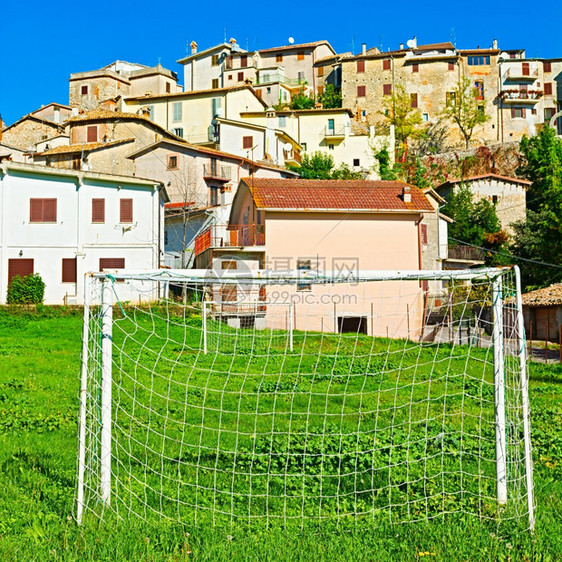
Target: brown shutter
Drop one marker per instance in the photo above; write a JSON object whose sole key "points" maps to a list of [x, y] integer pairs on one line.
{"points": [[36, 210], [547, 67], [513, 113], [525, 69], [451, 66], [360, 66], [49, 210], [522, 112], [387, 89], [98, 210], [240, 77], [19, 266], [414, 100], [69, 270], [415, 67], [424, 233], [92, 133], [112, 263], [247, 142], [547, 88], [361, 91], [386, 64], [320, 71], [126, 210]]}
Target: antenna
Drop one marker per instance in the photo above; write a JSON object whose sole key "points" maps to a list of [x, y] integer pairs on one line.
{"points": [[291, 40], [453, 37], [352, 45], [225, 33]]}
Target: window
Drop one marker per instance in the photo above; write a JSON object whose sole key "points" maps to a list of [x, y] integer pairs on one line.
{"points": [[247, 142], [168, 87], [481, 110], [215, 83], [549, 114], [150, 109], [304, 265], [229, 264], [92, 133], [214, 194], [172, 163], [547, 67], [303, 146], [98, 210], [112, 263], [451, 66], [517, 112], [330, 147], [228, 64], [19, 266], [300, 55], [425, 116], [42, 210], [356, 162], [495, 199], [214, 60], [414, 100], [176, 111], [548, 88], [331, 126], [230, 76], [361, 91], [387, 89], [320, 90], [126, 210], [213, 167], [360, 66], [278, 57], [69, 270], [479, 87], [268, 90], [215, 106], [320, 71], [282, 121], [478, 61], [300, 75], [76, 162], [229, 293], [352, 325], [178, 132], [386, 64], [415, 67], [84, 90], [450, 98], [240, 77], [525, 69], [244, 61]]}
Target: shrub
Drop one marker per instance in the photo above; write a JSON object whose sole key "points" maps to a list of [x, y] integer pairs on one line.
{"points": [[26, 290]]}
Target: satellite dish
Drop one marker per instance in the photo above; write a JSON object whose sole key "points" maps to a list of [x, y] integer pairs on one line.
{"points": [[291, 40], [411, 44]]}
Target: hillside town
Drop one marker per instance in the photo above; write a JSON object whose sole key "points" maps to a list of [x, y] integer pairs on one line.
{"points": [[146, 168]]}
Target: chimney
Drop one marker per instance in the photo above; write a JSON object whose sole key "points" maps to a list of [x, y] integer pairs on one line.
{"points": [[1, 127], [193, 46], [363, 48], [406, 194], [232, 41], [495, 44], [415, 42], [401, 46]]}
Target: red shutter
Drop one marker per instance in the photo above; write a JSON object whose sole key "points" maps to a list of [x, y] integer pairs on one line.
{"points": [[451, 66], [513, 113], [361, 91], [387, 89], [360, 66], [547, 67], [386, 64], [42, 210], [69, 270], [547, 88], [126, 210], [98, 210], [525, 69], [19, 266], [522, 112], [415, 67], [112, 263], [92, 134], [424, 233], [414, 100], [247, 142], [240, 77]]}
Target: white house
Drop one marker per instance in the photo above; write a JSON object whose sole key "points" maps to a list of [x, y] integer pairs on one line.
{"points": [[64, 223]]}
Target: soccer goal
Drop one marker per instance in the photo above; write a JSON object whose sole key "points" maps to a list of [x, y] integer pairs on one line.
{"points": [[298, 397]]}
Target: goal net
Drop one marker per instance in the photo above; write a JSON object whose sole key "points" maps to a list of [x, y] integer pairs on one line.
{"points": [[304, 397]]}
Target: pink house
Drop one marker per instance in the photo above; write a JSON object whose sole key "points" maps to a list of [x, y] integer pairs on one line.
{"points": [[322, 225]]}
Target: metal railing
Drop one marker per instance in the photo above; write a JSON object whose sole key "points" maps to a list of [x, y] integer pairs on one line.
{"points": [[334, 132], [225, 236], [216, 171]]}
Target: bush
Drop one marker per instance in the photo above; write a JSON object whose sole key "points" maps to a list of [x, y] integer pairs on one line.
{"points": [[26, 290]]}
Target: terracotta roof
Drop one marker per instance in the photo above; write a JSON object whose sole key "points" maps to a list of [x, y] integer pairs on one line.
{"points": [[101, 114], [301, 46], [348, 195], [434, 46], [549, 296], [86, 147], [484, 176]]}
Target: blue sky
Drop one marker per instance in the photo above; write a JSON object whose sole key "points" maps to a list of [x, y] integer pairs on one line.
{"points": [[43, 42]]}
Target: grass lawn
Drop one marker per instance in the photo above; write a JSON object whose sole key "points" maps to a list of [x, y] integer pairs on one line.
{"points": [[39, 379]]}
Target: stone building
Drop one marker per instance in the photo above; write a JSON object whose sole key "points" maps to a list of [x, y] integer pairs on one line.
{"points": [[108, 85]]}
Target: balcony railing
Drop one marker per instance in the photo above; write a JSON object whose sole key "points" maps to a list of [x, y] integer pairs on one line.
{"points": [[231, 236], [273, 78], [467, 253], [334, 133], [215, 172], [291, 157], [519, 74], [521, 96]]}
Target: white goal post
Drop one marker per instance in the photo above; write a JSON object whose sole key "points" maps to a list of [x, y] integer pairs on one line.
{"points": [[300, 397]]}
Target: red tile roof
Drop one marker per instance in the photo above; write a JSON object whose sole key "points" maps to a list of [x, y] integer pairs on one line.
{"points": [[549, 296], [485, 176], [349, 195]]}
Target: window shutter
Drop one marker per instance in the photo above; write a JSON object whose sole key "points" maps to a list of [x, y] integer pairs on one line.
{"points": [[240, 77], [320, 71], [415, 67], [126, 210], [414, 100], [98, 210], [547, 88], [244, 61], [92, 133], [361, 91], [547, 67], [513, 113], [360, 66], [49, 210], [525, 69], [19, 266], [69, 270], [247, 142], [386, 64], [522, 112], [35, 210], [387, 89], [424, 233], [451, 66]]}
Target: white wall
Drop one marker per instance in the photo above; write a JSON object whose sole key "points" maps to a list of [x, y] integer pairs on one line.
{"points": [[73, 234]]}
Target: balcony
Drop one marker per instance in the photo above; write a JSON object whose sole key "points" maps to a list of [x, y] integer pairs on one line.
{"points": [[231, 236], [276, 77], [466, 253], [520, 74], [291, 157], [520, 96], [333, 134], [217, 173]]}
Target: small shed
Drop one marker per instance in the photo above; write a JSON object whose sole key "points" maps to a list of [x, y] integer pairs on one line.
{"points": [[543, 308]]}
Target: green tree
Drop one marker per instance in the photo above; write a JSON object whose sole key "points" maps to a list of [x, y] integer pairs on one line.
{"points": [[300, 101], [320, 165], [465, 108], [385, 169], [398, 111], [539, 236], [331, 98]]}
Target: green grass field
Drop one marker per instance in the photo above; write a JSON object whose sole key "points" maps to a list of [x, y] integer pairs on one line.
{"points": [[39, 379]]}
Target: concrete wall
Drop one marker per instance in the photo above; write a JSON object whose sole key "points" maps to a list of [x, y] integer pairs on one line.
{"points": [[100, 87], [74, 234]]}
